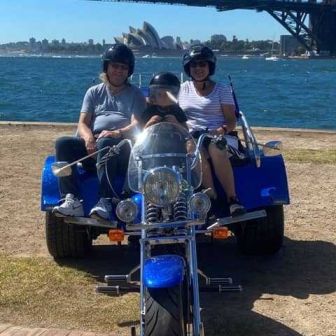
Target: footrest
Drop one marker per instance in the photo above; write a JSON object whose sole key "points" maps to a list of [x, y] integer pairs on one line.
{"points": [[116, 290], [91, 222], [221, 288], [116, 278], [246, 217], [219, 281]]}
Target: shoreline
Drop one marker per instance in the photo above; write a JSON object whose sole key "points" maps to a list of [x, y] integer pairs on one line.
{"points": [[71, 125]]}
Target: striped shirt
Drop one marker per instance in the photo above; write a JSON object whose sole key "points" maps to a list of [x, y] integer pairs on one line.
{"points": [[204, 112]]}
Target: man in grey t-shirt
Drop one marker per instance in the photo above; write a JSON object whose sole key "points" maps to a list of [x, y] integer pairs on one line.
{"points": [[108, 114]]}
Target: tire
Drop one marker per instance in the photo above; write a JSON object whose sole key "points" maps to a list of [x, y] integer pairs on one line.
{"points": [[262, 236], [164, 312], [66, 240]]}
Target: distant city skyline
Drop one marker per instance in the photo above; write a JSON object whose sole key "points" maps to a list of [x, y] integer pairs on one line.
{"points": [[112, 41], [80, 20]]}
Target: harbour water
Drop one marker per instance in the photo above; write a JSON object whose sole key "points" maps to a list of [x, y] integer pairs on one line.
{"points": [[286, 93]]}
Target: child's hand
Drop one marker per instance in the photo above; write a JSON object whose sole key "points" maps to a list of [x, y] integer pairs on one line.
{"points": [[170, 118], [153, 120]]}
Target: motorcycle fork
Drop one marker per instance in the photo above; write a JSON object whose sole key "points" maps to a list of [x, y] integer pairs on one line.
{"points": [[144, 254], [193, 281]]}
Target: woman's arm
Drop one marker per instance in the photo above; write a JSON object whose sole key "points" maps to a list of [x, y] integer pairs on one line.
{"points": [[230, 119]]}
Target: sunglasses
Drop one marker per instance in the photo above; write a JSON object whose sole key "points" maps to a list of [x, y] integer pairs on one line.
{"points": [[200, 64], [119, 66]]}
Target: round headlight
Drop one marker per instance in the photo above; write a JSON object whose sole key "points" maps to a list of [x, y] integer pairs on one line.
{"points": [[126, 210], [162, 186], [200, 203]]}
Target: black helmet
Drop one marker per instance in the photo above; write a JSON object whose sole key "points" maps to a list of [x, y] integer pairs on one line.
{"points": [[199, 53], [165, 80], [119, 53]]}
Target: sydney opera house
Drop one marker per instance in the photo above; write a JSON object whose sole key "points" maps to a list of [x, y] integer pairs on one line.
{"points": [[147, 40]]}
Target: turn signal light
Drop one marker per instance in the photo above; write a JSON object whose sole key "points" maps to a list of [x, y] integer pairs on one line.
{"points": [[116, 235], [221, 233]]}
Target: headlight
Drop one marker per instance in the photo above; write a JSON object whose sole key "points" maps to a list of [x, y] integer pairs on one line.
{"points": [[162, 186], [200, 204], [126, 211]]}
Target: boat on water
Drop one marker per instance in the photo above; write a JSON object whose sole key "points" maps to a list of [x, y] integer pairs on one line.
{"points": [[245, 57], [272, 58]]}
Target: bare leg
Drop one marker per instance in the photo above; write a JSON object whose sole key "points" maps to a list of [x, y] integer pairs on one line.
{"points": [[207, 180], [223, 170]]}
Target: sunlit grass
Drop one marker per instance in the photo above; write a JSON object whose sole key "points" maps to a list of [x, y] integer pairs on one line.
{"points": [[37, 291], [320, 156]]}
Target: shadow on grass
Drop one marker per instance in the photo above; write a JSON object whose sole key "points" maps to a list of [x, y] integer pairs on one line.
{"points": [[300, 268]]}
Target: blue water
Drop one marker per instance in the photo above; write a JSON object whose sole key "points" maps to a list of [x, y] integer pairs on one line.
{"points": [[288, 93]]}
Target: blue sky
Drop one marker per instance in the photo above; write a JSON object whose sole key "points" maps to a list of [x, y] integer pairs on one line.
{"points": [[80, 20]]}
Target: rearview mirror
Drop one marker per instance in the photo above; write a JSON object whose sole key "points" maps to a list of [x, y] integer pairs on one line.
{"points": [[61, 169], [272, 148]]}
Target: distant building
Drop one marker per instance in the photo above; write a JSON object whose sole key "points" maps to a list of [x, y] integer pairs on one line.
{"points": [[147, 37], [55, 43], [288, 45], [32, 41], [218, 38], [45, 44]]}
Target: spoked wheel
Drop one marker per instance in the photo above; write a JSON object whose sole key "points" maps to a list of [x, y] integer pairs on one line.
{"points": [[66, 240], [164, 312]]}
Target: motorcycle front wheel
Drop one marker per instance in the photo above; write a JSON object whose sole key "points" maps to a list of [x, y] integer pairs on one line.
{"points": [[164, 312]]}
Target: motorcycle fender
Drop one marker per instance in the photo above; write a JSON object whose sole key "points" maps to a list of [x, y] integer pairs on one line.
{"points": [[163, 271]]}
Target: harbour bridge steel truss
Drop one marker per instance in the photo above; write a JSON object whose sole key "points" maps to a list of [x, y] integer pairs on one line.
{"points": [[319, 34]]}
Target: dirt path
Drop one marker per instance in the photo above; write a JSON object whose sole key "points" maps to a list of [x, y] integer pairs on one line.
{"points": [[292, 294], [10, 330]]}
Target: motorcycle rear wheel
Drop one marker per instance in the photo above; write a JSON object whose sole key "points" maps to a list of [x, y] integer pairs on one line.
{"points": [[66, 240], [262, 236], [164, 312]]}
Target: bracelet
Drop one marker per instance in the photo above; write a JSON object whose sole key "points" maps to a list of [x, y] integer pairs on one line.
{"points": [[121, 133], [224, 128]]}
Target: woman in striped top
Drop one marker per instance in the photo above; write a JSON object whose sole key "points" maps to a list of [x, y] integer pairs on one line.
{"points": [[209, 105]]}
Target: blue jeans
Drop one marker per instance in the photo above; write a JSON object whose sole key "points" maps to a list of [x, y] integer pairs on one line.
{"points": [[70, 149]]}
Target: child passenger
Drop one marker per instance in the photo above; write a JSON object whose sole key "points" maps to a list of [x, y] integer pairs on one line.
{"points": [[163, 107]]}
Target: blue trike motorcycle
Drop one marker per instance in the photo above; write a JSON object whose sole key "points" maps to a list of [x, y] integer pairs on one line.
{"points": [[167, 211]]}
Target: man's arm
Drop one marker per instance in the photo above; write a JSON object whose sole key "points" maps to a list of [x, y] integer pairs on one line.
{"points": [[125, 132], [85, 131]]}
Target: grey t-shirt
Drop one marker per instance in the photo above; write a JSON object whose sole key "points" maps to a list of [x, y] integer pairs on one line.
{"points": [[110, 111]]}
